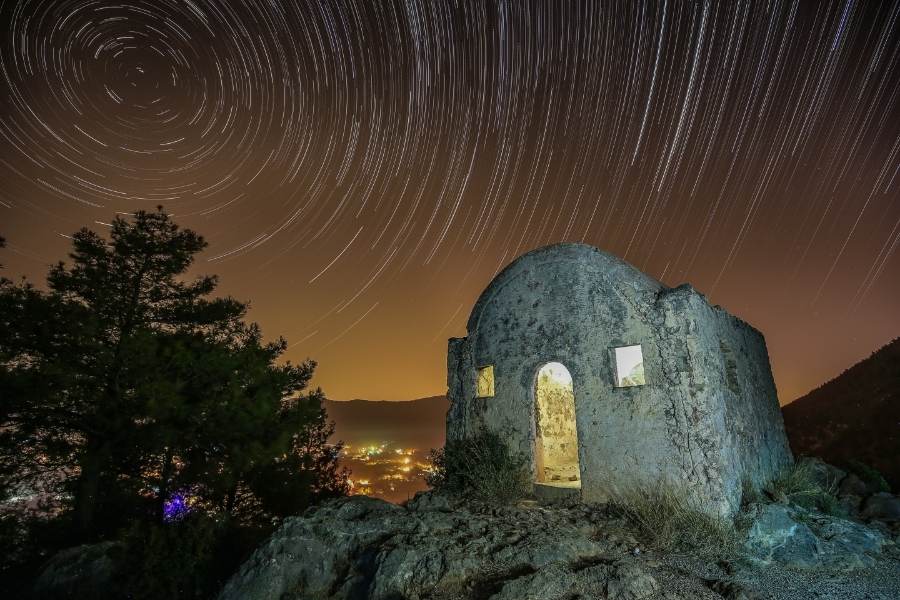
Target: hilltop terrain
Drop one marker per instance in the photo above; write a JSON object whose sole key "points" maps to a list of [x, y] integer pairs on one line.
{"points": [[855, 417], [444, 549]]}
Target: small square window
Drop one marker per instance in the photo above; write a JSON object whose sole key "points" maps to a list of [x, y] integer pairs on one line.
{"points": [[486, 381], [629, 366]]}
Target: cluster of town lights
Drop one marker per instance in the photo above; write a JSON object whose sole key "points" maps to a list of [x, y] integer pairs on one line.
{"points": [[397, 465]]}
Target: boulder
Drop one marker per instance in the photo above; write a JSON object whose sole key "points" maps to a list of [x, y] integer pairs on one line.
{"points": [[732, 590], [776, 536], [613, 580], [846, 544], [850, 503], [799, 538], [881, 507], [80, 572], [431, 501], [363, 547], [852, 485], [359, 547], [553, 583], [826, 475], [629, 581], [333, 548]]}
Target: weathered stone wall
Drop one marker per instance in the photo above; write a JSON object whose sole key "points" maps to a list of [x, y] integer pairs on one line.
{"points": [[756, 443], [574, 304]]}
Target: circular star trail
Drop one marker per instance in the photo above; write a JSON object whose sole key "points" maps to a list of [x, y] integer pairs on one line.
{"points": [[362, 169]]}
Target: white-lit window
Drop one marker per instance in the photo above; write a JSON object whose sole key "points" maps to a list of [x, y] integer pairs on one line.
{"points": [[486, 381], [629, 366]]}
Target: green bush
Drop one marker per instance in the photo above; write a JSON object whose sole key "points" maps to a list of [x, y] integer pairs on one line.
{"points": [[798, 484], [873, 479], [171, 560], [668, 521], [481, 467], [27, 542]]}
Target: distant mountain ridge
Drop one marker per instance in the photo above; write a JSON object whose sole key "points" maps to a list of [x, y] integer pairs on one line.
{"points": [[853, 417], [416, 423]]}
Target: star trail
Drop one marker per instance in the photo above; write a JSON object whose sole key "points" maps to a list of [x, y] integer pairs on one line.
{"points": [[362, 169]]}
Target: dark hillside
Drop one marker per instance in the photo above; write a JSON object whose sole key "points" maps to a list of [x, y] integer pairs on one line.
{"points": [[416, 423], [855, 416]]}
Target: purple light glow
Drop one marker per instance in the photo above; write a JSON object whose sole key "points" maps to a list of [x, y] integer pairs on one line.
{"points": [[176, 507]]}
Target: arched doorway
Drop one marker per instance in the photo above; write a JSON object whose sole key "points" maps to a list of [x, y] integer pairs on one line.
{"points": [[556, 436]]}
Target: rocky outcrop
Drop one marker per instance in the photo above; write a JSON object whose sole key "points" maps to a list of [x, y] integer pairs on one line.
{"points": [[798, 538], [863, 500], [882, 507], [442, 549], [79, 572], [366, 548]]}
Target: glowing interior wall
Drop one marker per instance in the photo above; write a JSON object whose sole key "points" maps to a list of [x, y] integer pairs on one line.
{"points": [[485, 382], [556, 438]]}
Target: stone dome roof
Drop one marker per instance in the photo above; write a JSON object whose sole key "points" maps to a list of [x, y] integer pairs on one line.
{"points": [[574, 256]]}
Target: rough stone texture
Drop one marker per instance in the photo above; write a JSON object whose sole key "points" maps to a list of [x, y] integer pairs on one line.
{"points": [[882, 507], [80, 572], [613, 580], [361, 547], [795, 537], [827, 476], [852, 485], [441, 548], [707, 419], [775, 536]]}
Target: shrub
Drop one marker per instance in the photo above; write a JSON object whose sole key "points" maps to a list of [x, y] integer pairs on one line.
{"points": [[798, 484], [873, 479], [170, 560], [668, 521], [27, 542], [480, 466]]}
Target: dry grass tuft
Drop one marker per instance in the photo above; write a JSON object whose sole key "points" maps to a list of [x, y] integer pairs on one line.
{"points": [[798, 484], [668, 521]]}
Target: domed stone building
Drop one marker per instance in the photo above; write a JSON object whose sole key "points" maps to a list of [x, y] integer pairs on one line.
{"points": [[610, 382]]}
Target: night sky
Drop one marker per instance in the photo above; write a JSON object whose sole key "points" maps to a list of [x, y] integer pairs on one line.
{"points": [[362, 169]]}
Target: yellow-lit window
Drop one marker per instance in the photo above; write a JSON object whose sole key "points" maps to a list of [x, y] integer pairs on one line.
{"points": [[486, 381]]}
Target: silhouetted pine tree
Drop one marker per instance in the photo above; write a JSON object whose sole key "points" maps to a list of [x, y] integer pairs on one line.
{"points": [[129, 384]]}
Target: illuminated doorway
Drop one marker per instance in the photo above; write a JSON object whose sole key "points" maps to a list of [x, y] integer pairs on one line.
{"points": [[556, 436]]}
